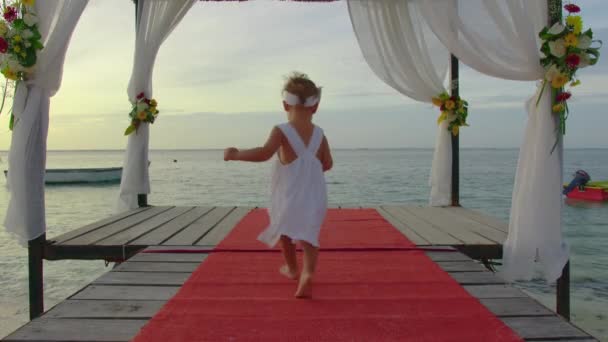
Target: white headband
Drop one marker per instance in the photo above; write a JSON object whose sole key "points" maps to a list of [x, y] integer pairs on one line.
{"points": [[293, 100]]}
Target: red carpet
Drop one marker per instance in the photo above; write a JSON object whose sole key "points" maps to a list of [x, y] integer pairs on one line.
{"points": [[358, 296]]}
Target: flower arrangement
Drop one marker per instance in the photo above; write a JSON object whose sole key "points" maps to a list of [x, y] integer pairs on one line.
{"points": [[454, 109], [20, 39], [566, 49], [144, 110]]}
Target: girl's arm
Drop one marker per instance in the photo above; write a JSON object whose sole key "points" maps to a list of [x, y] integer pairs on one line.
{"points": [[326, 158], [258, 154]]}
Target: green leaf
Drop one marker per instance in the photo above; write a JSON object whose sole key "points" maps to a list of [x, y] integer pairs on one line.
{"points": [[130, 130], [30, 58]]}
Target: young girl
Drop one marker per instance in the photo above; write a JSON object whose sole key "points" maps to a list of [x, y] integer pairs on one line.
{"points": [[299, 193]]}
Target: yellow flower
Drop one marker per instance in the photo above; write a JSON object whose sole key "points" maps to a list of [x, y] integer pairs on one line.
{"points": [[455, 130], [3, 28], [570, 40], [17, 38], [449, 104], [437, 101], [558, 108], [17, 48], [142, 115], [23, 54], [153, 103], [559, 80], [10, 74], [29, 3], [576, 22], [442, 117]]}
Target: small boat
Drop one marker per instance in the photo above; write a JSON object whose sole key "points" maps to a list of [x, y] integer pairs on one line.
{"points": [[592, 191], [582, 188], [79, 176]]}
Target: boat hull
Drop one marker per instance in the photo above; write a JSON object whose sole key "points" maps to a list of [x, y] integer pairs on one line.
{"points": [[82, 176], [589, 194]]}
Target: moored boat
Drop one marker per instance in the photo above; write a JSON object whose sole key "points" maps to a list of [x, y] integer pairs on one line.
{"points": [[78, 176], [592, 191]]}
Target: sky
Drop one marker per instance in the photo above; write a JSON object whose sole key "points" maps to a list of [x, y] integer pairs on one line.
{"points": [[219, 75]]}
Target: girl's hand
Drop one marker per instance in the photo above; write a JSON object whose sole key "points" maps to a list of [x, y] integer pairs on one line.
{"points": [[230, 153]]}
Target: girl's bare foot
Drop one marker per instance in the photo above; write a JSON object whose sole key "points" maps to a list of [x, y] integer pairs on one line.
{"points": [[304, 286], [284, 270]]}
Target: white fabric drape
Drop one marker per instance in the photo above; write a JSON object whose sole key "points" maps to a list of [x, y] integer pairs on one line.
{"points": [[500, 38], [25, 216], [403, 52], [157, 19]]}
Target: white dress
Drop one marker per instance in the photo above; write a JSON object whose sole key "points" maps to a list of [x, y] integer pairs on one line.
{"points": [[298, 192]]}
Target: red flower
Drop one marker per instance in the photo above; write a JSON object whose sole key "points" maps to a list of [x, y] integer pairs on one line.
{"points": [[3, 45], [562, 97], [10, 14], [572, 8], [140, 95], [573, 61]]}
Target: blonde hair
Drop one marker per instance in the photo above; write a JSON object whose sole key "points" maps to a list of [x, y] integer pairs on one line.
{"points": [[300, 85]]}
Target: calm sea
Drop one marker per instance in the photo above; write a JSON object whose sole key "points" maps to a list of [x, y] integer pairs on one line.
{"points": [[360, 177]]}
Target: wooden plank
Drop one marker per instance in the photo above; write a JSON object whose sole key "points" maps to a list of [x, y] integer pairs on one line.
{"points": [[166, 231], [140, 229], [116, 227], [125, 292], [427, 231], [191, 234], [49, 329], [223, 228], [142, 309], [481, 218], [451, 226], [494, 291], [484, 230], [447, 256], [461, 266], [505, 307], [156, 267], [142, 278], [403, 228], [96, 225], [476, 278], [543, 327], [168, 257]]}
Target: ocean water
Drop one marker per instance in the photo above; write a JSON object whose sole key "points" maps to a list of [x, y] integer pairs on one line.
{"points": [[359, 177]]}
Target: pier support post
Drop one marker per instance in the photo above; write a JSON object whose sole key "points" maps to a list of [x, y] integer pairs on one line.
{"points": [[455, 138], [142, 200], [563, 293], [554, 10], [35, 266]]}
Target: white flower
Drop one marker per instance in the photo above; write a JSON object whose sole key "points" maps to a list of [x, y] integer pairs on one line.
{"points": [[27, 44], [585, 61], [27, 34], [30, 19], [584, 42], [551, 72], [557, 48], [141, 106], [557, 28]]}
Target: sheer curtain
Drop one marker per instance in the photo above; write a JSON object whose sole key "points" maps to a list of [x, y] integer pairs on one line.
{"points": [[499, 38], [25, 216], [404, 53], [157, 19]]}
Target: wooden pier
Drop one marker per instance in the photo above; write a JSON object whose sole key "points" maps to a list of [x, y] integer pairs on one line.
{"points": [[116, 305]]}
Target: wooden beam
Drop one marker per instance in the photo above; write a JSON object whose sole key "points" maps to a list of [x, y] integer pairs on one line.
{"points": [[35, 269], [554, 10], [454, 88]]}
